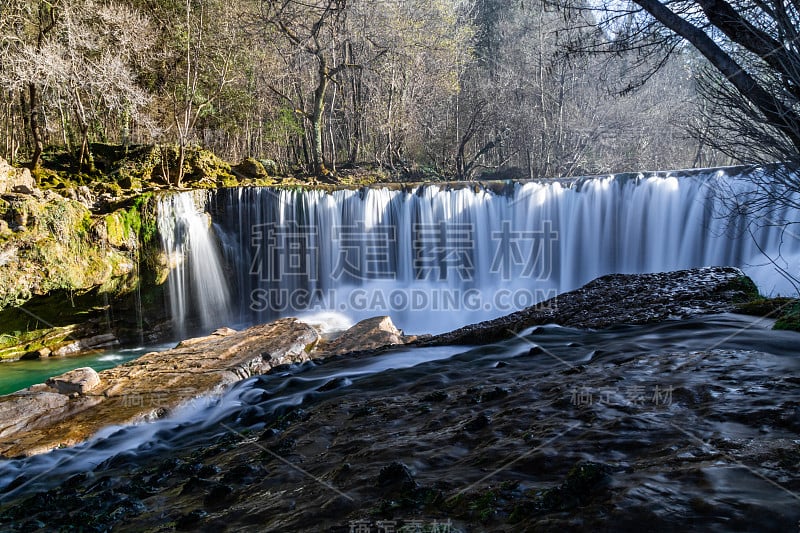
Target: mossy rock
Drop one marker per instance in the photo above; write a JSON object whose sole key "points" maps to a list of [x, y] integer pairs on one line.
{"points": [[765, 307], [205, 166], [785, 310], [270, 167], [121, 228], [790, 318], [744, 288], [250, 169]]}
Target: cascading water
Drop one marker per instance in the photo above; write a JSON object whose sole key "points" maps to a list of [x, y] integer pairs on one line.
{"points": [[197, 287], [435, 259]]}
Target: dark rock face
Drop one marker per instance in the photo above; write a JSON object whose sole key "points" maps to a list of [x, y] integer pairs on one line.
{"points": [[619, 299]]}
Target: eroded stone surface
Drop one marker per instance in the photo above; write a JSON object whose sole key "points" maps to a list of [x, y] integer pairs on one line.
{"points": [[370, 334], [17, 180], [619, 299], [80, 380], [39, 419]]}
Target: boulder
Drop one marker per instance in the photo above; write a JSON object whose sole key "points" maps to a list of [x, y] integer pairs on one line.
{"points": [[18, 180], [105, 340], [370, 334], [80, 380], [20, 410]]}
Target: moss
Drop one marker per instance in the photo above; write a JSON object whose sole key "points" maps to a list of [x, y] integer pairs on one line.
{"points": [[270, 167], [584, 482], [46, 322], [484, 506], [765, 307], [786, 311], [789, 318], [203, 166], [250, 168], [744, 286]]}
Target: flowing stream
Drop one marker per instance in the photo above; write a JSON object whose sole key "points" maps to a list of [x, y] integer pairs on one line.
{"points": [[722, 417], [436, 258]]}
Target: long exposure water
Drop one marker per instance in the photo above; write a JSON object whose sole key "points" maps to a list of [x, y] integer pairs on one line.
{"points": [[435, 259], [726, 383]]}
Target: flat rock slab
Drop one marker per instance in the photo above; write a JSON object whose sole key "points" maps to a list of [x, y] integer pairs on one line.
{"points": [[620, 299], [42, 418]]}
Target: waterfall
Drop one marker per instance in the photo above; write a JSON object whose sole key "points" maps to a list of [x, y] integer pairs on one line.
{"points": [[437, 258], [196, 286]]}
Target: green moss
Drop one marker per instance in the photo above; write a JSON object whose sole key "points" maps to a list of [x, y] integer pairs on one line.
{"points": [[789, 318], [785, 310], [744, 286], [585, 481], [484, 505], [45, 322], [765, 307]]}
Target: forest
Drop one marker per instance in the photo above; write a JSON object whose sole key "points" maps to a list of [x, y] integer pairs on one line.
{"points": [[424, 89]]}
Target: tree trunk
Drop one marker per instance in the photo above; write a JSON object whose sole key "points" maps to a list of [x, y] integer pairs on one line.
{"points": [[33, 121], [181, 159], [317, 115]]}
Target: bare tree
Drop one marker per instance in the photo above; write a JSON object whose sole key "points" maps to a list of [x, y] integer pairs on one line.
{"points": [[752, 84], [73, 54], [313, 28]]}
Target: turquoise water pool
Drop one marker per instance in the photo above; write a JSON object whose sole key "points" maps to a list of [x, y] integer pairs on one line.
{"points": [[18, 375]]}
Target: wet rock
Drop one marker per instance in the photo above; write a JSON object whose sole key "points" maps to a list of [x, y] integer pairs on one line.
{"points": [[435, 396], [284, 447], [619, 299], [396, 479], [333, 384], [193, 484], [478, 423], [370, 334], [190, 520], [586, 481], [242, 474], [80, 380], [493, 394], [32, 525], [218, 495], [208, 471]]}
